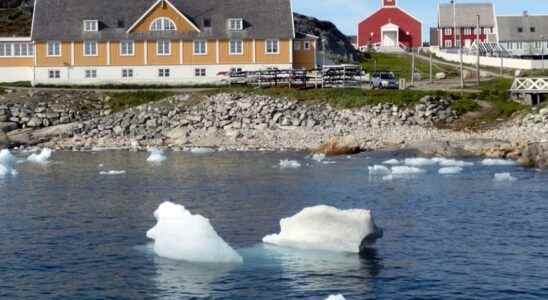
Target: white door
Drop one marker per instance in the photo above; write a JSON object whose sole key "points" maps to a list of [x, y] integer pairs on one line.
{"points": [[390, 39]]}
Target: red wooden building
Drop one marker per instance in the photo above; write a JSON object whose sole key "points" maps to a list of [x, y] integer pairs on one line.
{"points": [[390, 28]]}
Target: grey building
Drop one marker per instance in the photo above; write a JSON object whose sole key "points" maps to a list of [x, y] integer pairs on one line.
{"points": [[524, 35]]}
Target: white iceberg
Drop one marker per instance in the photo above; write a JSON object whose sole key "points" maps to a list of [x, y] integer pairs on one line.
{"points": [[156, 156], [112, 172], [289, 164], [505, 177], [7, 170], [391, 162], [179, 235], [419, 162], [319, 157], [201, 150], [378, 170], [336, 297], [327, 228], [450, 170], [405, 170], [42, 157], [497, 162]]}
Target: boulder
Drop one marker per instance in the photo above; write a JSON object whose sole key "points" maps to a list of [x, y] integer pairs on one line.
{"points": [[8, 126], [4, 140], [344, 145], [535, 155], [441, 76]]}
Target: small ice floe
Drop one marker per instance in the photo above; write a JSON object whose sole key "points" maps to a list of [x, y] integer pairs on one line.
{"points": [[406, 170], [7, 170], [497, 162], [504, 177], [336, 297], [289, 164], [201, 150], [446, 162], [327, 228], [42, 157], [319, 157], [450, 170], [156, 155], [180, 235], [112, 172], [419, 162], [6, 158], [378, 170], [388, 177], [101, 165], [391, 162]]}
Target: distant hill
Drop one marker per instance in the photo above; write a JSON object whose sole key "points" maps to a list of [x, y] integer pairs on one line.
{"points": [[339, 49], [15, 17]]}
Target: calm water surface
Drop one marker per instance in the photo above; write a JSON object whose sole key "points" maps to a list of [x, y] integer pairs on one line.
{"points": [[69, 233]]}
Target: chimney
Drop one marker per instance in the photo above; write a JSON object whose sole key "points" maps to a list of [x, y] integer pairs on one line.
{"points": [[388, 3]]}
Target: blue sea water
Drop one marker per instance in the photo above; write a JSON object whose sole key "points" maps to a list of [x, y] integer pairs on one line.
{"points": [[67, 232]]}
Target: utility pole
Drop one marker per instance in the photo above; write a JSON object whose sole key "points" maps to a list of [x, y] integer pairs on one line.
{"points": [[461, 70], [478, 72], [542, 42], [431, 69], [412, 66], [501, 63]]}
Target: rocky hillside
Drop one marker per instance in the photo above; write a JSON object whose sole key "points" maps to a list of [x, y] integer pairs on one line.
{"points": [[338, 47], [15, 17]]}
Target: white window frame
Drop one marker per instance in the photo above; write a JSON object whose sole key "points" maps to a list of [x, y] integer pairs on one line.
{"points": [[127, 73], [200, 72], [160, 45], [241, 52], [448, 31], [448, 44], [17, 49], [91, 25], [164, 73], [162, 22], [272, 47], [236, 24], [54, 74], [53, 49], [90, 74], [468, 31], [204, 48], [307, 45], [93, 47], [127, 48]]}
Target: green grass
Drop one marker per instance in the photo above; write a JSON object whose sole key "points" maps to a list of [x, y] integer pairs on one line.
{"points": [[2, 91], [17, 84], [496, 92], [125, 100], [127, 86], [400, 64], [465, 105]]}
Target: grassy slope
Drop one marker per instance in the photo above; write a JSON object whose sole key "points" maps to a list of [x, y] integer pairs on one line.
{"points": [[400, 64], [125, 100]]}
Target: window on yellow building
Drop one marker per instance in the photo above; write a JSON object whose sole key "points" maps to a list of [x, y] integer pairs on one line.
{"points": [[127, 48], [163, 24], [272, 47], [54, 48], [163, 47], [90, 48], [200, 47], [236, 47]]}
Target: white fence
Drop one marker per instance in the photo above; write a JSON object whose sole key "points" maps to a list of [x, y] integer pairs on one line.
{"points": [[511, 63]]}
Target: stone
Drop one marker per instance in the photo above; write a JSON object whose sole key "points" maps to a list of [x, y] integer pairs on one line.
{"points": [[8, 126], [34, 122], [441, 76], [345, 145]]}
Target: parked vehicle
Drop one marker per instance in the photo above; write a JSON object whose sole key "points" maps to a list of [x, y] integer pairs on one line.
{"points": [[384, 80]]}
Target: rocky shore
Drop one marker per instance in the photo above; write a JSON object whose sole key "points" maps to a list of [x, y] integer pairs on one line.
{"points": [[84, 121]]}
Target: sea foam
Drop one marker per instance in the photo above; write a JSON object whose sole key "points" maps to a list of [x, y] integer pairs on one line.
{"points": [[327, 228], [180, 235], [156, 156], [42, 157]]}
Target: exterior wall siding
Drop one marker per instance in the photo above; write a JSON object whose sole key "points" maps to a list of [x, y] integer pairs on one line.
{"points": [[16, 62], [226, 58], [463, 37], [81, 60], [137, 59], [304, 59], [189, 58], [154, 59], [369, 30], [43, 60], [262, 57]]}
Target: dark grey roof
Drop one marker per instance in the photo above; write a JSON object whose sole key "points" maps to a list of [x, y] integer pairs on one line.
{"points": [[466, 14], [63, 19], [508, 28]]}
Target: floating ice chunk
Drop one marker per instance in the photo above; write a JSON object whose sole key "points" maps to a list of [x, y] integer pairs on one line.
{"points": [[6, 158], [378, 170], [7, 170], [505, 177], [113, 172], [327, 228], [201, 150], [420, 161], [336, 297], [388, 177], [446, 162], [180, 235], [497, 162], [319, 157], [156, 156], [450, 170], [405, 170], [289, 164], [391, 162], [42, 157]]}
